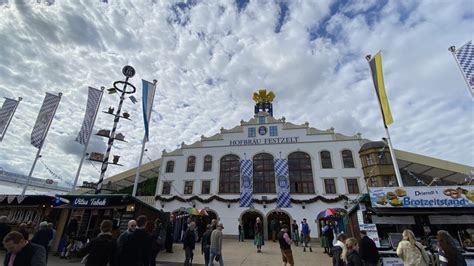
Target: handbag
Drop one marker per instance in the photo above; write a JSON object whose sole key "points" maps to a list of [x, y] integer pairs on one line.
{"points": [[421, 252], [218, 258]]}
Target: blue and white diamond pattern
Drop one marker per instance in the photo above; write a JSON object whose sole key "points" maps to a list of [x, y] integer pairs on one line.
{"points": [[7, 111], [246, 184], [465, 56], [45, 116], [93, 102], [281, 172]]}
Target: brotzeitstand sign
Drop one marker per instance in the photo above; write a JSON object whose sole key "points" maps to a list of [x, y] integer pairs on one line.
{"points": [[424, 197]]}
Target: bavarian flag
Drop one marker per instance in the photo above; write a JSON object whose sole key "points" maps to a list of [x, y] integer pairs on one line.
{"points": [[377, 75]]}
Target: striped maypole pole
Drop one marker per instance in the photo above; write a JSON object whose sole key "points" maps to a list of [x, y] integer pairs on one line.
{"points": [[129, 72]]}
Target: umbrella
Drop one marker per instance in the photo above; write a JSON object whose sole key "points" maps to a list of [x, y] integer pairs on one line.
{"points": [[193, 211], [203, 212], [329, 212]]}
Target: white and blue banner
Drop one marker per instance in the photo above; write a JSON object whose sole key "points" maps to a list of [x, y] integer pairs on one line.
{"points": [[246, 184], [281, 173], [45, 116], [93, 102], [147, 102], [6, 114]]}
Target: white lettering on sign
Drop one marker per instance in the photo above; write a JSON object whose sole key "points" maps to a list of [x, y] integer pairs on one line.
{"points": [[90, 202], [243, 142]]}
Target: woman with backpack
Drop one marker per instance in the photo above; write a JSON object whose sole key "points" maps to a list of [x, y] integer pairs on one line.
{"points": [[412, 252]]}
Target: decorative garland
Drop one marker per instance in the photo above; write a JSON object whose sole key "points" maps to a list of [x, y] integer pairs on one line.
{"points": [[259, 201]]}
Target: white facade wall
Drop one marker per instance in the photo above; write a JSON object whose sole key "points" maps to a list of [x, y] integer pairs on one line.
{"points": [[309, 140]]}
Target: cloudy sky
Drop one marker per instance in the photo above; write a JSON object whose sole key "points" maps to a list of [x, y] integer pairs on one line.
{"points": [[209, 56]]}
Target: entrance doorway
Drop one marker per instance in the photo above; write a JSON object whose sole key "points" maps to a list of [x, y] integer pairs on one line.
{"points": [[276, 219], [248, 219]]}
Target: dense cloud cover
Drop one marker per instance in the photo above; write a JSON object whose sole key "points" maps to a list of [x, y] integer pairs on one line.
{"points": [[208, 58]]}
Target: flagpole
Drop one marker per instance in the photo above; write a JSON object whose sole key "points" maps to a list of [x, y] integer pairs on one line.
{"points": [[452, 49], [392, 152], [40, 148], [137, 174], [84, 153], [10, 119]]}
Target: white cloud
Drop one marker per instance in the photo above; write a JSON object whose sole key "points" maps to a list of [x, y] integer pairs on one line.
{"points": [[208, 65]]}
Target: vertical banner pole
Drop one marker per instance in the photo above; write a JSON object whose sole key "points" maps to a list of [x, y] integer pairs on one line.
{"points": [[394, 159], [137, 174], [40, 148]]}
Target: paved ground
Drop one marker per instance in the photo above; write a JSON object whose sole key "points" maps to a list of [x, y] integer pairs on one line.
{"points": [[235, 253]]}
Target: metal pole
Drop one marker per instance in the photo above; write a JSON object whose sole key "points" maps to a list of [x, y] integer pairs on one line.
{"points": [[40, 148], [137, 174], [452, 49], [394, 159], [10, 118], [87, 142], [105, 162]]}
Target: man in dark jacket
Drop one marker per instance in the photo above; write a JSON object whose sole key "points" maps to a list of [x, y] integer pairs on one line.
{"points": [[43, 236], [22, 252], [102, 249], [135, 247], [367, 250], [4, 228], [189, 243], [206, 243], [169, 235]]}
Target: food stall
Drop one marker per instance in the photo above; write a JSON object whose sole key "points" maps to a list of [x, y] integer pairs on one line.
{"points": [[424, 210]]}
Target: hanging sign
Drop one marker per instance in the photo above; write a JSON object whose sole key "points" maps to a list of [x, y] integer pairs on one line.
{"points": [[89, 202], [422, 197]]}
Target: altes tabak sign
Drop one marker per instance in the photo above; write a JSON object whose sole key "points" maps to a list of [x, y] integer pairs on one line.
{"points": [[422, 197], [89, 202], [263, 141]]}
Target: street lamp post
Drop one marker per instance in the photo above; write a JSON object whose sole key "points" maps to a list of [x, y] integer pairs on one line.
{"points": [[129, 72]]}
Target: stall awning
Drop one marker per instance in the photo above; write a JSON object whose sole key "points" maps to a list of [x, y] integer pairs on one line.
{"points": [[451, 219]]}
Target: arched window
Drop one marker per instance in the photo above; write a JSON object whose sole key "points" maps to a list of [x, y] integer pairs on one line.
{"points": [[169, 167], [263, 173], [207, 163], [191, 164], [229, 178], [301, 173], [347, 159], [326, 159]]}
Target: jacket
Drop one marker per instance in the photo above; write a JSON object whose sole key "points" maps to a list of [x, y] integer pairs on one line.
{"points": [[412, 255], [101, 251], [134, 248], [336, 254], [368, 251], [284, 240], [158, 238], [189, 239], [29, 255], [216, 241], [206, 240], [353, 258], [42, 237]]}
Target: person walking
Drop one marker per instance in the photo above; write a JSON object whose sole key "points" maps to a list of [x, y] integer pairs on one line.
{"points": [[101, 250], [124, 243], [449, 254], [141, 240], [24, 232], [189, 243], [43, 236], [4, 228], [351, 255], [170, 235], [295, 235], [22, 252], [306, 235], [324, 238], [339, 247], [258, 233], [157, 240], [368, 250], [410, 251], [301, 233], [216, 246], [285, 246], [241, 232], [50, 244], [206, 244], [274, 228]]}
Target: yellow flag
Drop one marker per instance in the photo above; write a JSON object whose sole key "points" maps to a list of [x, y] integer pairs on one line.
{"points": [[377, 75]]}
